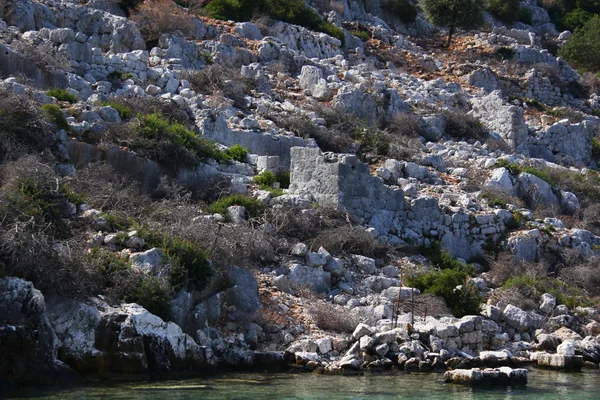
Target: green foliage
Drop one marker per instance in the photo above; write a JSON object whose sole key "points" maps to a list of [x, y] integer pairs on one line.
{"points": [[119, 75], [108, 262], [505, 53], [582, 49], [596, 147], [464, 14], [493, 200], [253, 207], [172, 143], [576, 18], [516, 169], [55, 114], [440, 258], [535, 286], [362, 35], [62, 95], [403, 9], [265, 178], [283, 178], [507, 11], [443, 283], [123, 109], [153, 294], [190, 267], [292, 11], [516, 222], [237, 153]]}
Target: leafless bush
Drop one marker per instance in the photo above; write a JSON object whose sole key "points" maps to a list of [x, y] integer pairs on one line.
{"points": [[507, 266], [219, 78], [516, 297], [464, 126], [22, 126], [590, 218], [550, 72], [288, 222], [350, 240], [582, 272], [157, 17], [44, 55], [333, 318], [263, 23], [590, 82]]}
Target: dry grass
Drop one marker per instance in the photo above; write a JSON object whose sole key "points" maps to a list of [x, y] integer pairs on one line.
{"points": [[350, 240], [333, 318], [157, 17]]}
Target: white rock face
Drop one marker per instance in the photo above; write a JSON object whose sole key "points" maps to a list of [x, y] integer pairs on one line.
{"points": [[566, 348], [502, 181], [548, 303]]}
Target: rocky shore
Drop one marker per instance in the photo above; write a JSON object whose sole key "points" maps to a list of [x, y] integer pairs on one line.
{"points": [[258, 196]]}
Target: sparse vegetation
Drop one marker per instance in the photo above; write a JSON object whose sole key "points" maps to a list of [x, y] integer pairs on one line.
{"points": [[292, 11], [157, 17], [171, 143], [62, 95], [253, 207], [463, 14], [56, 115], [403, 9], [464, 126]]}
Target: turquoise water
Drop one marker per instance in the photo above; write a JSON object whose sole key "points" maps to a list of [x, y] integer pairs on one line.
{"points": [[542, 385]]}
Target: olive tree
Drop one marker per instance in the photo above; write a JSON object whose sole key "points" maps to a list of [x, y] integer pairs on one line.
{"points": [[465, 14]]}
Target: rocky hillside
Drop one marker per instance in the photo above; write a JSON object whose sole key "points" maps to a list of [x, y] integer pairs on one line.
{"points": [[179, 191]]}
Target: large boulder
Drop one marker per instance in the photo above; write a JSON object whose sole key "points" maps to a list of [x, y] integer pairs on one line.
{"points": [[501, 181], [536, 191], [521, 320], [28, 345], [124, 342], [312, 277]]}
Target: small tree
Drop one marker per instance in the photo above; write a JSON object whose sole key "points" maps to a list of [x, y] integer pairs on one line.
{"points": [[465, 14], [583, 48]]}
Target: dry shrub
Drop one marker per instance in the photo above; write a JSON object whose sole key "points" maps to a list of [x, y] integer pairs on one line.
{"points": [[37, 243], [333, 318], [263, 23], [220, 79], [154, 18], [590, 82], [464, 126], [44, 55], [582, 272], [289, 222], [506, 266], [148, 105], [23, 128], [590, 218], [350, 240], [514, 296]]}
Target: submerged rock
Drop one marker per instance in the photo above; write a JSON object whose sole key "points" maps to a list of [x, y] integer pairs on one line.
{"points": [[496, 376]]}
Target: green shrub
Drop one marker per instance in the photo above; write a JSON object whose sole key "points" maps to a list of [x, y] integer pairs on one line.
{"points": [[283, 178], [55, 114], [153, 294], [123, 109], [62, 95], [108, 262], [362, 35], [535, 286], [403, 9], [443, 283], [507, 11], [596, 147], [253, 207], [582, 49], [516, 222], [516, 169], [265, 178], [505, 53], [172, 143], [291, 11], [237, 153], [440, 258], [576, 18], [119, 76], [493, 200]]}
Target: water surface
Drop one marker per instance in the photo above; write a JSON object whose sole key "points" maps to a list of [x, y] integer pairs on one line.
{"points": [[542, 385]]}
